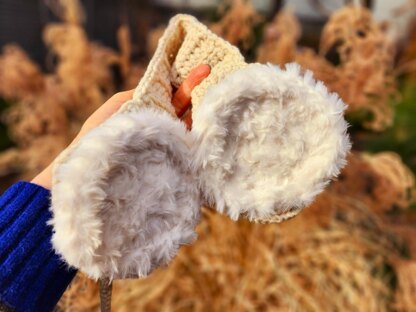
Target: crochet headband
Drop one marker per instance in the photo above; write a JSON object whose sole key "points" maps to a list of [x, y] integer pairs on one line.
{"points": [[265, 141]]}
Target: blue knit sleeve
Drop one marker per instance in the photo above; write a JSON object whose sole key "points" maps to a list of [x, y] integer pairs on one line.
{"points": [[32, 276]]}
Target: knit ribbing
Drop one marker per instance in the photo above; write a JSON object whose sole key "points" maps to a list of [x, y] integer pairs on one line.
{"points": [[32, 277]]}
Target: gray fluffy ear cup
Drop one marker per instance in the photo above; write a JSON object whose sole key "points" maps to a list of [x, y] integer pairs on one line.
{"points": [[268, 141], [124, 198]]}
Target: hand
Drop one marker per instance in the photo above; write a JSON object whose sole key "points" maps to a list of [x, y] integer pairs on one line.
{"points": [[181, 101]]}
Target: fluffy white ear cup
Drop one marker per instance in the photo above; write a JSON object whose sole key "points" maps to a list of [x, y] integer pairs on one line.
{"points": [[125, 198], [268, 141]]}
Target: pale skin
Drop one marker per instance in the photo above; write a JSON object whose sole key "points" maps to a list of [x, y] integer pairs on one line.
{"points": [[181, 101]]}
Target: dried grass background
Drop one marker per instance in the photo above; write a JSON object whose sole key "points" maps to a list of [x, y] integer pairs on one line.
{"points": [[352, 250], [48, 109], [364, 78]]}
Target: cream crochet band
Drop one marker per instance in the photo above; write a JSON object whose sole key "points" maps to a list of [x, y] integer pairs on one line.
{"points": [[185, 44]]}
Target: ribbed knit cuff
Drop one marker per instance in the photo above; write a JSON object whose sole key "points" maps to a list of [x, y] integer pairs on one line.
{"points": [[32, 276]]}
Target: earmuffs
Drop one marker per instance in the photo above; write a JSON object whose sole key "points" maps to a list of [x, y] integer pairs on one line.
{"points": [[264, 142]]}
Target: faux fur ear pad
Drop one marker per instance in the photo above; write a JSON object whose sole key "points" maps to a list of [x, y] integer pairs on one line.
{"points": [[125, 198], [268, 141]]}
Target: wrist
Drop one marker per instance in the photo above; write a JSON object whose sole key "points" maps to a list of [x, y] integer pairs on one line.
{"points": [[44, 178]]}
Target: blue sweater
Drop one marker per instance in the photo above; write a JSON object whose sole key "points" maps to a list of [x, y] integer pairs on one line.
{"points": [[32, 276]]}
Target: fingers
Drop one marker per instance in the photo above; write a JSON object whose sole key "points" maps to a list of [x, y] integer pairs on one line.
{"points": [[182, 98]]}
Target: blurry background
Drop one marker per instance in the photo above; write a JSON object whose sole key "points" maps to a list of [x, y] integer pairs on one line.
{"points": [[352, 250]]}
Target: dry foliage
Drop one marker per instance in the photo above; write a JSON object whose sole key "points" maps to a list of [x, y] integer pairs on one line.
{"points": [[381, 181], [18, 74], [399, 182], [407, 62], [82, 71], [48, 109], [366, 63], [330, 258], [406, 292], [237, 23], [364, 77], [279, 39]]}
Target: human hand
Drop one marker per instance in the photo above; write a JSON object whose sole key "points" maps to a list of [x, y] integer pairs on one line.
{"points": [[181, 101]]}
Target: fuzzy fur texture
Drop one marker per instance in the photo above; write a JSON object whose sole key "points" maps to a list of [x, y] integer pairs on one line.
{"points": [[125, 198], [268, 141]]}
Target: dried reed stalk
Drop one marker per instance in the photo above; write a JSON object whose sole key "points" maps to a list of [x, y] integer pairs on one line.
{"points": [[280, 39], [381, 181], [364, 77], [48, 109], [238, 19]]}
